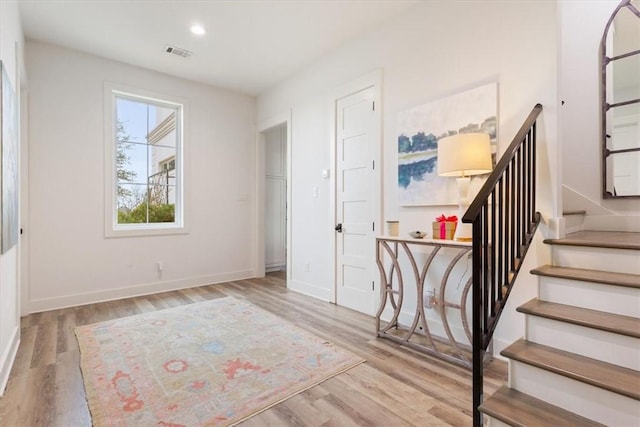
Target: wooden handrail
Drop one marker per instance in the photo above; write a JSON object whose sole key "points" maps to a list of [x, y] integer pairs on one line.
{"points": [[475, 206]]}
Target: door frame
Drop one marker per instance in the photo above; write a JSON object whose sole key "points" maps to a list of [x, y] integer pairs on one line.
{"points": [[374, 80], [22, 276], [22, 248], [259, 226]]}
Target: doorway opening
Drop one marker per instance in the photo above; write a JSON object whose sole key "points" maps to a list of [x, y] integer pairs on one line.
{"points": [[273, 197]]}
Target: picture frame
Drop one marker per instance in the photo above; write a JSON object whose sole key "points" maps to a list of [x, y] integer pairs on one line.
{"points": [[420, 128]]}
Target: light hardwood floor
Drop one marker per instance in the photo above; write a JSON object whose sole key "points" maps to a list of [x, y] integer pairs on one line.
{"points": [[395, 387]]}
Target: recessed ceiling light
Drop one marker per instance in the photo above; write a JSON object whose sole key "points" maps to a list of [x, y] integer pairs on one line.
{"points": [[198, 30]]}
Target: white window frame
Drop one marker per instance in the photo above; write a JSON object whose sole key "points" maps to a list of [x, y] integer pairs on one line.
{"points": [[166, 162], [112, 228]]}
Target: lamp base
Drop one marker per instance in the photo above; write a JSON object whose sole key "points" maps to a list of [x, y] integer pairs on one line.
{"points": [[464, 232]]}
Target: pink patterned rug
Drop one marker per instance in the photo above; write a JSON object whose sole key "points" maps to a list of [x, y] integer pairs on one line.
{"points": [[216, 362]]}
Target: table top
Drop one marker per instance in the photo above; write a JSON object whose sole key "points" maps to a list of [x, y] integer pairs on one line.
{"points": [[424, 241]]}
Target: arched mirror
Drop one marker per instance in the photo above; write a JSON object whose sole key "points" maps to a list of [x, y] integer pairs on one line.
{"points": [[620, 100]]}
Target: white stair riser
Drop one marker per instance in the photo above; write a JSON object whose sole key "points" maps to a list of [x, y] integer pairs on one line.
{"points": [[625, 223], [595, 296], [573, 223], [601, 345], [584, 399], [616, 260]]}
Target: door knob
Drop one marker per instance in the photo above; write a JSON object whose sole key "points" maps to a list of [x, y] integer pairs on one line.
{"points": [[339, 228]]}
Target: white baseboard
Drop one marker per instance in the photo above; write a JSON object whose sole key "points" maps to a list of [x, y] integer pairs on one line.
{"points": [[46, 304], [273, 268], [572, 200], [309, 289], [8, 357]]}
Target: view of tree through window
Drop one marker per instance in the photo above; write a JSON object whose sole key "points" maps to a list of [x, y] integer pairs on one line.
{"points": [[145, 158]]}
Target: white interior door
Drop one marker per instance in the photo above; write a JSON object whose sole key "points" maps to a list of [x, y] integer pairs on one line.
{"points": [[355, 210]]}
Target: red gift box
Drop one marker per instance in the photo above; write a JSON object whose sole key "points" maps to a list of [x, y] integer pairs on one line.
{"points": [[444, 227]]}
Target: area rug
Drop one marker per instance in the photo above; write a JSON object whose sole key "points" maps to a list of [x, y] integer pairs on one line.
{"points": [[216, 362]]}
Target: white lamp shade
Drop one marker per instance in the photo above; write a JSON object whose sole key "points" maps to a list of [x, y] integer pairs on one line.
{"points": [[464, 154]]}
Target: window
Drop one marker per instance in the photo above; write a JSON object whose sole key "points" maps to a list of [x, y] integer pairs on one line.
{"points": [[144, 150], [168, 164]]}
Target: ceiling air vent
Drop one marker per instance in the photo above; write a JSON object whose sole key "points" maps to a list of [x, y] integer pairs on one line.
{"points": [[184, 53]]}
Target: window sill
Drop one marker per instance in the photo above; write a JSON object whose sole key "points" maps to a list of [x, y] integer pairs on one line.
{"points": [[146, 230]]}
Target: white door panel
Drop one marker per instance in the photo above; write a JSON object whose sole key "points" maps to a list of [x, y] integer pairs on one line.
{"points": [[355, 210]]}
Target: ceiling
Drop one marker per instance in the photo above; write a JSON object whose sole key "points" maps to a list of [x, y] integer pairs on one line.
{"points": [[250, 45]]}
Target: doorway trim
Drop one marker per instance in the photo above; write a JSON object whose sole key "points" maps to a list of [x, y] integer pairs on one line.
{"points": [[372, 79], [23, 240], [259, 227]]}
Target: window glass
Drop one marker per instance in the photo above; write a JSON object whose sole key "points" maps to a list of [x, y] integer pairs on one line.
{"points": [[146, 146]]}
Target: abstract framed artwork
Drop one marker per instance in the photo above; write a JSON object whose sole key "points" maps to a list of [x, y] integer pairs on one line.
{"points": [[9, 145], [419, 130]]}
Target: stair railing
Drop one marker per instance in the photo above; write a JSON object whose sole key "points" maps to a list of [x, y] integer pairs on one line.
{"points": [[504, 221]]}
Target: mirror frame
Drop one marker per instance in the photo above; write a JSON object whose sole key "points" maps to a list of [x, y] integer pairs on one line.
{"points": [[605, 106]]}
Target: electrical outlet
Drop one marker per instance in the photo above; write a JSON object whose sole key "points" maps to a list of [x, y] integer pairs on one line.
{"points": [[428, 298], [160, 266], [307, 266], [434, 300]]}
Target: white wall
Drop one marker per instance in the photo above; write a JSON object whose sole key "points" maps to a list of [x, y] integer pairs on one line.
{"points": [[581, 28], [436, 49], [71, 262], [11, 56]]}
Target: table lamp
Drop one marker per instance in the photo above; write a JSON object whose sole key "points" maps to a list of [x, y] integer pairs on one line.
{"points": [[462, 156]]}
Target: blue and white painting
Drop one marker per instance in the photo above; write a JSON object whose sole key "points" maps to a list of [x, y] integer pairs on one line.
{"points": [[420, 129]]}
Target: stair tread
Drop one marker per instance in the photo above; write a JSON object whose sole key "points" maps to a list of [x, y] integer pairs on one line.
{"points": [[519, 409], [616, 379], [585, 275], [616, 323], [600, 239], [574, 212]]}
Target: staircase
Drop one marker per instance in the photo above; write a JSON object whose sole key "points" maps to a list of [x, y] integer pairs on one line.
{"points": [[579, 362]]}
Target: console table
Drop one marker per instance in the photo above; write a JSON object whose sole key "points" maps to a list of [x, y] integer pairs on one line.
{"points": [[418, 336]]}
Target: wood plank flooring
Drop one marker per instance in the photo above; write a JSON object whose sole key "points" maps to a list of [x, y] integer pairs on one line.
{"points": [[395, 387]]}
